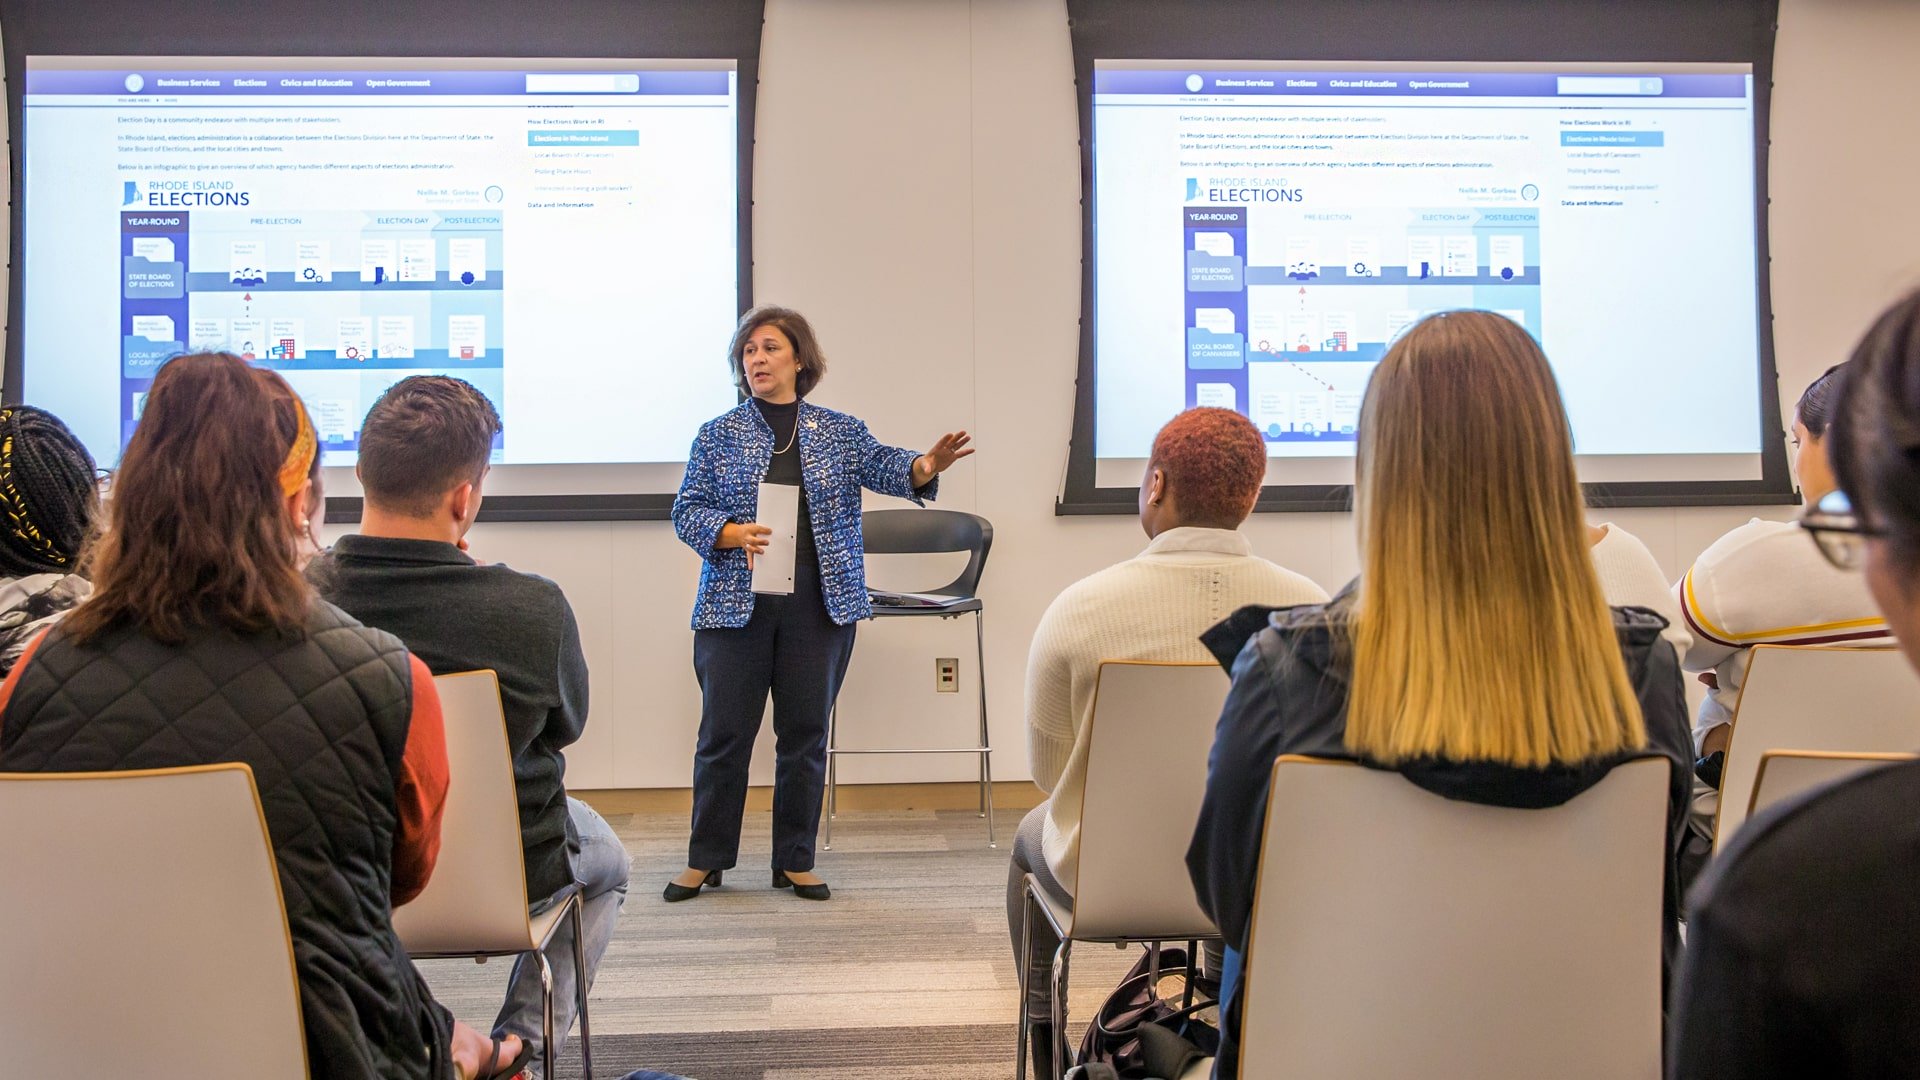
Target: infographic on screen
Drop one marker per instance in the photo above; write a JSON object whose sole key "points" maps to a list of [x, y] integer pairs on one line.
{"points": [[563, 239], [1263, 235]]}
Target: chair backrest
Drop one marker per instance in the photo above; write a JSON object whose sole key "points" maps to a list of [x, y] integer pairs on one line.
{"points": [[1150, 733], [1786, 773], [1399, 933], [143, 929], [1804, 698], [476, 900], [927, 532]]}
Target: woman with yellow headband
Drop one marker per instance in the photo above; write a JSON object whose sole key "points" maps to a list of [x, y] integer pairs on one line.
{"points": [[48, 501], [203, 643], [300, 472]]}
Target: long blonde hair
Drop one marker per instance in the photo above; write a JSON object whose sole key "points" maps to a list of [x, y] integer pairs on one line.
{"points": [[1479, 631]]}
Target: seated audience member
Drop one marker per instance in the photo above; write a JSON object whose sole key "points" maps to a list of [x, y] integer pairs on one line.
{"points": [[1205, 472], [49, 496], [423, 456], [1631, 577], [195, 592], [1803, 946], [1763, 584], [1475, 653]]}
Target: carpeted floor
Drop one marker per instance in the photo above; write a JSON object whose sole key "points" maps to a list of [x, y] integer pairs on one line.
{"points": [[906, 972]]}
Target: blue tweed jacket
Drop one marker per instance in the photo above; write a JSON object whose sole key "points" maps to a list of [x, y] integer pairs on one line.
{"points": [[838, 457]]}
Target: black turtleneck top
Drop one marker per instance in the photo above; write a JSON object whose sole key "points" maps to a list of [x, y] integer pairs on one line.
{"points": [[784, 467]]}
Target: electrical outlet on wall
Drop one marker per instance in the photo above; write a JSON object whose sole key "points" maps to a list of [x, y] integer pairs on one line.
{"points": [[946, 675]]}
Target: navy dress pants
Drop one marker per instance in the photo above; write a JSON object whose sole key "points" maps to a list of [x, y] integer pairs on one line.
{"points": [[793, 649]]}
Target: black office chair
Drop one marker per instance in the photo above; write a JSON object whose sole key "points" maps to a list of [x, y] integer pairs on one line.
{"points": [[926, 532]]}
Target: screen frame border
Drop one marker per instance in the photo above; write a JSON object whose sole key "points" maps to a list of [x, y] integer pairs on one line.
{"points": [[436, 29], [1100, 26]]}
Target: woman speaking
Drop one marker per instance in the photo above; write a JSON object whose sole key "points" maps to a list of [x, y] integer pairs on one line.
{"points": [[795, 644]]}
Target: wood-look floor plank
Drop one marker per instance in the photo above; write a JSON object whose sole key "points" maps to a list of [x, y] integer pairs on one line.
{"points": [[750, 983]]}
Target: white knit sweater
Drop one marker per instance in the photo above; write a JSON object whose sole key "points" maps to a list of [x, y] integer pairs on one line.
{"points": [[1629, 577], [1151, 607]]}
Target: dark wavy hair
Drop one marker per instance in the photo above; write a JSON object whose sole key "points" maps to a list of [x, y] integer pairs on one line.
{"points": [[49, 494], [1875, 445], [1815, 410], [198, 534], [806, 349]]}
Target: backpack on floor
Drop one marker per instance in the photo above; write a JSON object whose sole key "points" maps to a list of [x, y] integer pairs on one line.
{"points": [[1140, 1035]]}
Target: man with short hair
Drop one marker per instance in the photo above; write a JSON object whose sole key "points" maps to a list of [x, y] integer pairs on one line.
{"points": [[424, 450]]}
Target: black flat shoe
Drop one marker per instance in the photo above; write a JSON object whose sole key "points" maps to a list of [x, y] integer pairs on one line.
{"points": [[676, 892], [804, 892]]}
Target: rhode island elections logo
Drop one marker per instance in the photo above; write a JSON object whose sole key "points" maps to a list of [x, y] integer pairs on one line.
{"points": [[131, 196]]}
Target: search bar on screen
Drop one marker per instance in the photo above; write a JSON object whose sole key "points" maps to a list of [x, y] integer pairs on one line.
{"points": [[1606, 85], [581, 83]]}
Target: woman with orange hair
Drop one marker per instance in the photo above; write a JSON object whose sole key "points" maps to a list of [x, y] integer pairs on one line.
{"points": [[1201, 482]]}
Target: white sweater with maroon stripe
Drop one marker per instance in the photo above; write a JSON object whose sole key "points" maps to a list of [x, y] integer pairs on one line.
{"points": [[1765, 583]]}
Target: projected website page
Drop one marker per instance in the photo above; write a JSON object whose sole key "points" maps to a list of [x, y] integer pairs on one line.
{"points": [[1264, 233], [560, 234]]}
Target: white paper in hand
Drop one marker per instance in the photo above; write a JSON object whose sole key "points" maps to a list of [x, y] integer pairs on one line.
{"points": [[779, 511]]}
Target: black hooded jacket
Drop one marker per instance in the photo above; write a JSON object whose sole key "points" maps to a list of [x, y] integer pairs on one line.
{"points": [[1291, 676]]}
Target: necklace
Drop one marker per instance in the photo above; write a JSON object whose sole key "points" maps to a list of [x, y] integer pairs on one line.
{"points": [[791, 437]]}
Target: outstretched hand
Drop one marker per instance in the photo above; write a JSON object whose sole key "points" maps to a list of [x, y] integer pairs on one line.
{"points": [[948, 449]]}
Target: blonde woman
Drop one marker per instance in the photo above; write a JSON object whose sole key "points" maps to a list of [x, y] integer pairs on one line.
{"points": [[1475, 653]]}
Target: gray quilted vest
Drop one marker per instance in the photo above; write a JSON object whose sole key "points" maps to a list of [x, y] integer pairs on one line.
{"points": [[322, 720]]}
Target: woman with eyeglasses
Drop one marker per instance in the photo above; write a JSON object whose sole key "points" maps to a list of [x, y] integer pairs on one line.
{"points": [[1803, 949], [1763, 584]]}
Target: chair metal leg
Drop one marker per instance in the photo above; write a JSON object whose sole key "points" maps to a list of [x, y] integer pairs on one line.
{"points": [[1058, 991], [581, 989], [833, 777], [1025, 1029], [980, 683], [1193, 968], [546, 1015], [986, 744]]}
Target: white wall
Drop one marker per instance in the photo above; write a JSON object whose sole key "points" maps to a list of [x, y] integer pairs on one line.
{"points": [[917, 194]]}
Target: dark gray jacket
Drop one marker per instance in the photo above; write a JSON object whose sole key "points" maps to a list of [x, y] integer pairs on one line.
{"points": [[457, 615], [1291, 676]]}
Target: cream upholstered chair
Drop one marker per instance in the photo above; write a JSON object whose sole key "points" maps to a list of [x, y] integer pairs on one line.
{"points": [[475, 905], [1785, 773], [143, 929], [1399, 933], [1808, 698], [1147, 744]]}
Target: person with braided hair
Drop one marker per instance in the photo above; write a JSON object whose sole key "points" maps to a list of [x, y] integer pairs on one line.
{"points": [[49, 499]]}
